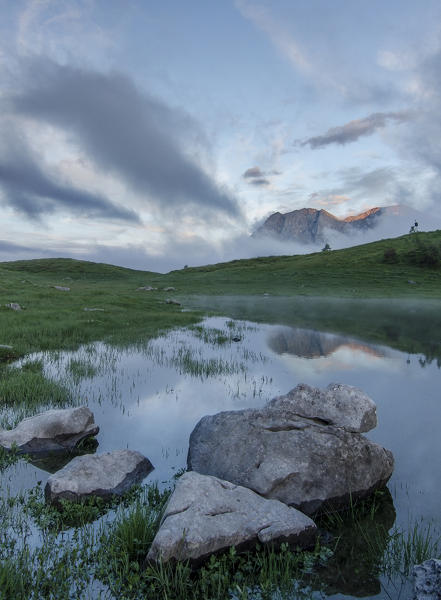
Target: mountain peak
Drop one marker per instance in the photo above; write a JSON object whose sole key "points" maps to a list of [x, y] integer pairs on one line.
{"points": [[309, 225]]}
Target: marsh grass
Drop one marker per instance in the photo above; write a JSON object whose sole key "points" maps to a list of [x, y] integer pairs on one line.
{"points": [[81, 369], [25, 390]]}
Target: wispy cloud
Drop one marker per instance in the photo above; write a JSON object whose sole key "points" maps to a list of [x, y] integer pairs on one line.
{"points": [[354, 130], [278, 35], [123, 130]]}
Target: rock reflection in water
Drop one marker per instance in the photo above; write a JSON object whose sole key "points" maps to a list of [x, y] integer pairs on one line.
{"points": [[361, 540], [54, 461], [309, 343]]}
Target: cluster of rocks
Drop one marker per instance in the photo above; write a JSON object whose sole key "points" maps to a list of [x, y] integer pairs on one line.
{"points": [[260, 474], [61, 431]]}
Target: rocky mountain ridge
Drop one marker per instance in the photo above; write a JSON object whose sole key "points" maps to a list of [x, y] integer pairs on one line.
{"points": [[311, 225]]}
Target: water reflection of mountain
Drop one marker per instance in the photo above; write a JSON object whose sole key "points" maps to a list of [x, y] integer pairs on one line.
{"points": [[309, 343], [412, 326]]}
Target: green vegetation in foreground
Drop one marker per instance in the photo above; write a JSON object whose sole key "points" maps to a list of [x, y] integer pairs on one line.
{"points": [[108, 559]]}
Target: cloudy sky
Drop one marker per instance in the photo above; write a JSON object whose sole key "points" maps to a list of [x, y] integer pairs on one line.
{"points": [[157, 134]]}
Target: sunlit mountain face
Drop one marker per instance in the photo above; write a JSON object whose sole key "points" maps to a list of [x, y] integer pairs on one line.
{"points": [[311, 226]]}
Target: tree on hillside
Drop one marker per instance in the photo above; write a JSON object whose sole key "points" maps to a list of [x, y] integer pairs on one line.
{"points": [[326, 247]]}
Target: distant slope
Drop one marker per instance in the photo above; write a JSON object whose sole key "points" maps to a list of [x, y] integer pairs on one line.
{"points": [[359, 271]]}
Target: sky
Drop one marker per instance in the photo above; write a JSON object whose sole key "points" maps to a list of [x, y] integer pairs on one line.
{"points": [[155, 135]]}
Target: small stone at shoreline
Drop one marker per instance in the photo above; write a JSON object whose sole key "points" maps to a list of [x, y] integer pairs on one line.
{"points": [[53, 430], [14, 306], [171, 301]]}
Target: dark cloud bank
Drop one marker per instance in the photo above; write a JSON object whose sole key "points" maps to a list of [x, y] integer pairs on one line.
{"points": [[31, 190], [121, 129]]}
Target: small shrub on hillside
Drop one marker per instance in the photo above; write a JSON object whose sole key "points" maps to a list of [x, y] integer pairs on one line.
{"points": [[390, 256]]}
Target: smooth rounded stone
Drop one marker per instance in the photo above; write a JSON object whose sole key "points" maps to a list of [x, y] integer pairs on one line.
{"points": [[302, 462], [427, 583], [171, 301], [104, 475], [206, 515], [56, 429], [339, 404]]}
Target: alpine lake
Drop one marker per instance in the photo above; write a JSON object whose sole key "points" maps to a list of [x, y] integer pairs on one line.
{"points": [[150, 396]]}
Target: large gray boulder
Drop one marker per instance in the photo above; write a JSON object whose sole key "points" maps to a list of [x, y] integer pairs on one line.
{"points": [[206, 515], [300, 460], [56, 429], [103, 475], [427, 582], [339, 404]]}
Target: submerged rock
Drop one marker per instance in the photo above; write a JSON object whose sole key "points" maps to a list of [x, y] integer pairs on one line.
{"points": [[104, 475], [206, 515], [300, 460], [427, 582], [56, 429]]}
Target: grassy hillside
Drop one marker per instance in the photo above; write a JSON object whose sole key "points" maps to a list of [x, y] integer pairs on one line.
{"points": [[53, 318], [358, 272]]}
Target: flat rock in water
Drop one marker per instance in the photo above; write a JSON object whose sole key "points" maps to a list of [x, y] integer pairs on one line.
{"points": [[300, 460], [171, 301], [339, 404], [86, 309], [206, 515], [427, 583], [146, 288], [104, 475], [56, 429], [62, 288]]}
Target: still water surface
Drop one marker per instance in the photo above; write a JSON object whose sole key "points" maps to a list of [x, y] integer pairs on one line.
{"points": [[149, 398]]}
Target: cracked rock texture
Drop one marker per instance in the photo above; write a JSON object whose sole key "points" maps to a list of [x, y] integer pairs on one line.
{"points": [[427, 582], [104, 475], [300, 460], [57, 429], [339, 404], [206, 515]]}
